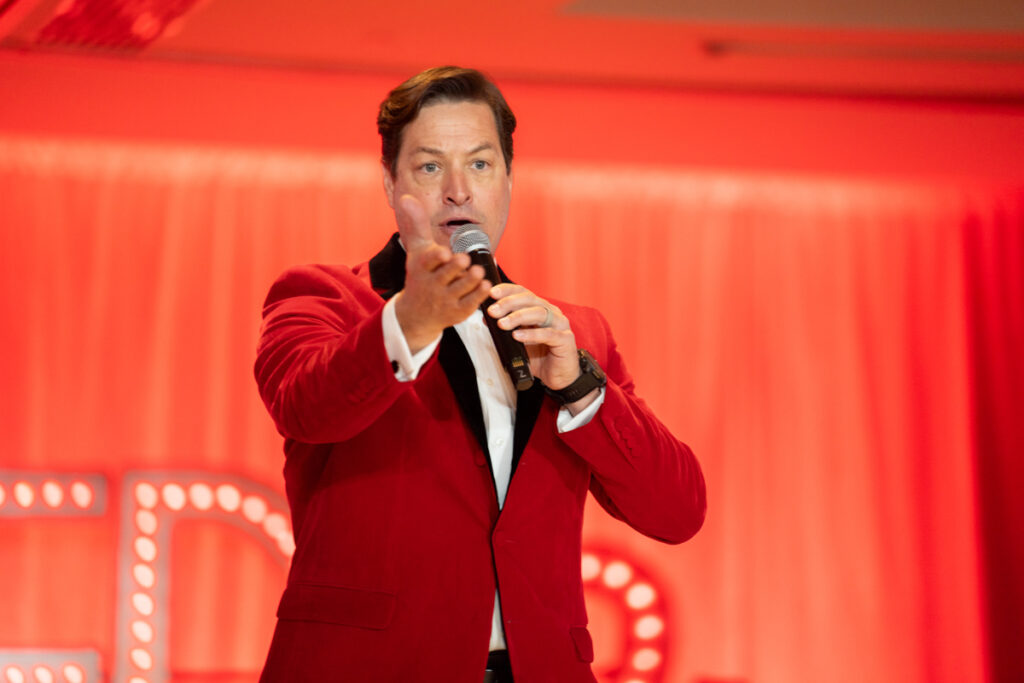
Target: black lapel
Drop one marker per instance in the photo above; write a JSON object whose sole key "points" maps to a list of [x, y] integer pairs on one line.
{"points": [[387, 277], [387, 269], [527, 408], [458, 367]]}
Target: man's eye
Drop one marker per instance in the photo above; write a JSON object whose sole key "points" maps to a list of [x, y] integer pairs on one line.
{"points": [[479, 164], [429, 167]]}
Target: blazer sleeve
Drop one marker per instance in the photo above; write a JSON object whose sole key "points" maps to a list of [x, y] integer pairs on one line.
{"points": [[640, 473], [321, 365]]}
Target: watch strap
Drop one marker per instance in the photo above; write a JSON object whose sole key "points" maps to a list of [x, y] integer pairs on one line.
{"points": [[591, 377]]}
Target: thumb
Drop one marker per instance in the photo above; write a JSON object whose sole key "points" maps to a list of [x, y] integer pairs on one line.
{"points": [[413, 224]]}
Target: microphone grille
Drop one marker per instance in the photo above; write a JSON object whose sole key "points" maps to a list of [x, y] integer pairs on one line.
{"points": [[469, 238]]}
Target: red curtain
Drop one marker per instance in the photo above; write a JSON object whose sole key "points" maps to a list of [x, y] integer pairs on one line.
{"points": [[840, 353]]}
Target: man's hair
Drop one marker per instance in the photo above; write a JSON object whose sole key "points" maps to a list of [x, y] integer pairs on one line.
{"points": [[440, 84]]}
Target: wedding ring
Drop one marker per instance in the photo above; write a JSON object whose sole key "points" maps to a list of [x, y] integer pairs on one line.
{"points": [[548, 318]]}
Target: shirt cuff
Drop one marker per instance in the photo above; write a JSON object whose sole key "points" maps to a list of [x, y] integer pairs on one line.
{"points": [[407, 365], [568, 422]]}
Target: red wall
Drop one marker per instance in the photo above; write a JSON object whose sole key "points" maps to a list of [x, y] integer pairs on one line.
{"points": [[115, 98]]}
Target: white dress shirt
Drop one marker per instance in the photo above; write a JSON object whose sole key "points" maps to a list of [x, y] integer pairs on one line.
{"points": [[497, 401]]}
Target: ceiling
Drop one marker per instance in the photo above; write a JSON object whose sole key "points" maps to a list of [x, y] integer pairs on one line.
{"points": [[905, 48]]}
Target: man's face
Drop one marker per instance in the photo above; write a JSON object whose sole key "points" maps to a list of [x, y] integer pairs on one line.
{"points": [[451, 161]]}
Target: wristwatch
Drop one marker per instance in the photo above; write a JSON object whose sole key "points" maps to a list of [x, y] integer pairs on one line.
{"points": [[591, 377]]}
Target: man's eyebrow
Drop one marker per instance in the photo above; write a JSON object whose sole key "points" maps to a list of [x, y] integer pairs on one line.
{"points": [[436, 152]]}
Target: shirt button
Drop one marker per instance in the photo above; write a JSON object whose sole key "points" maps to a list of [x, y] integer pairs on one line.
{"points": [[490, 382]]}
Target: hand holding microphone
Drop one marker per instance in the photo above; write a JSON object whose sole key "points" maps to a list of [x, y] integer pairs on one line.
{"points": [[468, 239]]}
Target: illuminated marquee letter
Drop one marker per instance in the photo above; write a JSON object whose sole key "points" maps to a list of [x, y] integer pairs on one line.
{"points": [[44, 495], [637, 597], [151, 504]]}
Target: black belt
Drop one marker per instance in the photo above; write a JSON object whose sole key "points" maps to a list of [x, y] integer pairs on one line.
{"points": [[499, 668]]}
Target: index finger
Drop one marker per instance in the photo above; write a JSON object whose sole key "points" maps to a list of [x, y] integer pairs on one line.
{"points": [[504, 289]]}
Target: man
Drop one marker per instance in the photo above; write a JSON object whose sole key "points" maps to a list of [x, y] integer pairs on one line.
{"points": [[437, 512]]}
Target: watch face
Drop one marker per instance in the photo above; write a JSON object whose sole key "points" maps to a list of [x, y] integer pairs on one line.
{"points": [[588, 364], [591, 377]]}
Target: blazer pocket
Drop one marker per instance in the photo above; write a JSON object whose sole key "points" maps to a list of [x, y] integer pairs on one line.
{"points": [[584, 645], [337, 605]]}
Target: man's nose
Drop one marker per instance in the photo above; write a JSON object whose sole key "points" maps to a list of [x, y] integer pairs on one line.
{"points": [[456, 190]]}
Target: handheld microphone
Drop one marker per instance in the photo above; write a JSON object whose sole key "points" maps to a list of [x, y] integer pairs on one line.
{"points": [[470, 240]]}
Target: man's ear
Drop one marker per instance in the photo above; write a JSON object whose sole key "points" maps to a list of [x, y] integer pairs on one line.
{"points": [[389, 185]]}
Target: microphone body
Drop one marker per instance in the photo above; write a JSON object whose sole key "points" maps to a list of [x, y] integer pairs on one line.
{"points": [[470, 240]]}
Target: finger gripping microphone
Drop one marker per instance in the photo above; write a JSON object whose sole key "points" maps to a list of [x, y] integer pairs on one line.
{"points": [[470, 240]]}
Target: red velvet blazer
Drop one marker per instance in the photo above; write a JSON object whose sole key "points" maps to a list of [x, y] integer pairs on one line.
{"points": [[399, 540]]}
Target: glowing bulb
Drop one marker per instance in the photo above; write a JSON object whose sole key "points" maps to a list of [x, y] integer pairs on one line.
{"points": [[52, 494], [146, 495], [142, 631], [275, 524], [73, 673], [144, 575], [286, 544], [42, 674], [648, 627], [145, 548], [228, 497], [24, 496], [639, 596], [254, 509], [174, 496], [617, 574], [146, 26], [143, 604], [146, 522], [646, 659], [81, 496], [201, 496], [142, 659], [590, 567]]}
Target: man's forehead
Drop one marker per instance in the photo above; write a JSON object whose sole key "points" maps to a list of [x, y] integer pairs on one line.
{"points": [[448, 120]]}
